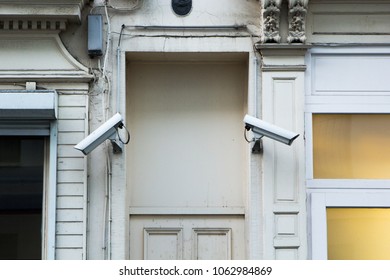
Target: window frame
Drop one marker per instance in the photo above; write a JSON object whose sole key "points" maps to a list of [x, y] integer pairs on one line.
{"points": [[340, 104], [38, 118], [320, 201], [49, 185], [323, 193]]}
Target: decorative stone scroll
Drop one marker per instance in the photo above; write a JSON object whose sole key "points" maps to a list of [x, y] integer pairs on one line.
{"points": [[297, 10], [271, 20]]}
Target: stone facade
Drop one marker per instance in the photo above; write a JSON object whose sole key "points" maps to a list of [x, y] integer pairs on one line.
{"points": [[277, 48]]}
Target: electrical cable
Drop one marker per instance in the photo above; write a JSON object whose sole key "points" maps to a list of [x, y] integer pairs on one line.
{"points": [[250, 141], [246, 138], [107, 41], [128, 135], [120, 35]]}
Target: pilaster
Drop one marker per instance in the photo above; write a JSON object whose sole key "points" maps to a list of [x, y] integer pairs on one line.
{"points": [[283, 83]]}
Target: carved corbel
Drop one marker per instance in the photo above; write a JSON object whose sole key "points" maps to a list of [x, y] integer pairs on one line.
{"points": [[271, 20], [297, 10]]}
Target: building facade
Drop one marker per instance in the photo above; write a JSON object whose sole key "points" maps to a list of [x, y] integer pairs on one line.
{"points": [[182, 75]]}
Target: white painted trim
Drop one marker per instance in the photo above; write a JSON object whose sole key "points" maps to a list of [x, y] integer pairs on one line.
{"points": [[41, 127], [164, 231], [341, 102], [254, 212], [227, 232], [85, 182], [319, 201], [69, 57], [65, 68], [253, 188], [352, 103], [19, 9], [351, 49], [186, 211], [318, 227], [194, 44], [51, 194], [348, 184], [324, 193], [309, 146], [28, 104]]}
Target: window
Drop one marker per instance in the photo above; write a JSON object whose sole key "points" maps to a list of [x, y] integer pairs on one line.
{"points": [[21, 193], [347, 153], [28, 165], [350, 225], [358, 233], [351, 146]]}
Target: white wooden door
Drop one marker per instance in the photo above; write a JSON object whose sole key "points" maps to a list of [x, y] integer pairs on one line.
{"points": [[186, 164]]}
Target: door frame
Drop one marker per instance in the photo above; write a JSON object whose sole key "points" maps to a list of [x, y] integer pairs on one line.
{"points": [[188, 60], [254, 205]]}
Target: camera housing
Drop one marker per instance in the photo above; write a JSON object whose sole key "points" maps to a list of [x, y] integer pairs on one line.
{"points": [[106, 131], [261, 128]]}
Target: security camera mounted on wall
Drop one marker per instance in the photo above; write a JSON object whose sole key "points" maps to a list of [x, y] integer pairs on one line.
{"points": [[106, 131], [261, 128]]}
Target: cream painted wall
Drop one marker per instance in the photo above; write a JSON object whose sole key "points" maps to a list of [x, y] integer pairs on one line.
{"points": [[347, 22], [159, 13], [186, 119]]}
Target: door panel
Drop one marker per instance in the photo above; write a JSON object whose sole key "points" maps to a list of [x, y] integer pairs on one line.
{"points": [[188, 155], [187, 237], [212, 243]]}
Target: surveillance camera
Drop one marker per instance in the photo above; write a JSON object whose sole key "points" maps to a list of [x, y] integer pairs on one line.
{"points": [[261, 128], [102, 133]]}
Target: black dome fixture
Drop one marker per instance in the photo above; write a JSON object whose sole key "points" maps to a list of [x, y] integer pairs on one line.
{"points": [[181, 7]]}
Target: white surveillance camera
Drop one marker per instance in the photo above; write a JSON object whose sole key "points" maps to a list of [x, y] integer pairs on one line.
{"points": [[261, 128], [105, 131]]}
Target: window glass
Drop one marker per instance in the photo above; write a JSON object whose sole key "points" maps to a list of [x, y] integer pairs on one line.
{"points": [[351, 146], [21, 192], [358, 233]]}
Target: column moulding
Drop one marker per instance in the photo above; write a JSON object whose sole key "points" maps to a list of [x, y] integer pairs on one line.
{"points": [[283, 57]]}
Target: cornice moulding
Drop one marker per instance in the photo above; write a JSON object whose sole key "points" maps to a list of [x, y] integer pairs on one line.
{"points": [[284, 68], [38, 57], [19, 10], [282, 49]]}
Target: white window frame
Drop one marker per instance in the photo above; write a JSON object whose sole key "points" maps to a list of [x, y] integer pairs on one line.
{"points": [[38, 119], [348, 103], [320, 201], [323, 193]]}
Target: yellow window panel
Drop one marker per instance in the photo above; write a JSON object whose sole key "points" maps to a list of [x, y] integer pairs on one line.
{"points": [[351, 146], [358, 233]]}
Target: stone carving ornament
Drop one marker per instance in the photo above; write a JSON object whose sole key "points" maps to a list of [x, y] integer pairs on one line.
{"points": [[271, 19], [297, 10]]}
